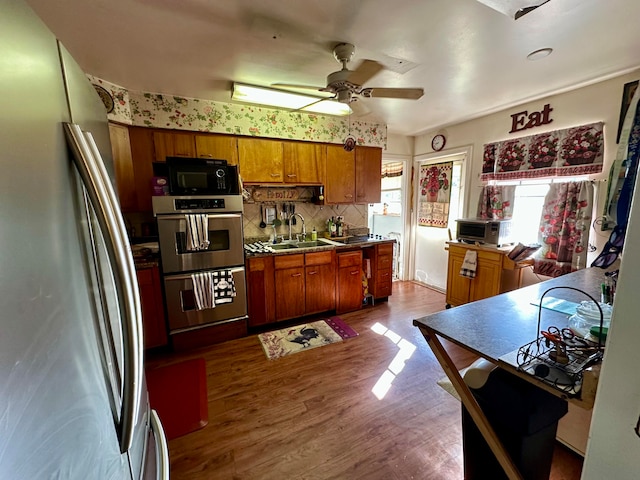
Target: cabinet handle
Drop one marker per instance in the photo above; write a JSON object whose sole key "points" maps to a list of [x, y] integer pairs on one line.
{"points": [[205, 155], [348, 195], [291, 175], [274, 174], [384, 274], [355, 272], [314, 272], [296, 275]]}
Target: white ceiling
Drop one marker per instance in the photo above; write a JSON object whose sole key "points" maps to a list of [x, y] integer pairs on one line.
{"points": [[470, 59]]}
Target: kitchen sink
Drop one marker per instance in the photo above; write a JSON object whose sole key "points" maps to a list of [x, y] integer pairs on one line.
{"points": [[283, 246], [291, 245]]}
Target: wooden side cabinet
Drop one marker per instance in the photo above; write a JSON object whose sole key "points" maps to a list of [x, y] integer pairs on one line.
{"points": [[261, 290], [495, 274], [340, 176], [153, 318], [381, 258], [261, 160], [173, 144], [349, 283]]}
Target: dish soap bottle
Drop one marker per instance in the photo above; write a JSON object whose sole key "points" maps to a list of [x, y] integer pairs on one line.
{"points": [[314, 234]]}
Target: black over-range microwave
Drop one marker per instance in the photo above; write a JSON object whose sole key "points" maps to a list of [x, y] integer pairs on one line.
{"points": [[200, 176]]}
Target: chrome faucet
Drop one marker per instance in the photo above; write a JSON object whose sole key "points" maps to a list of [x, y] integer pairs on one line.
{"points": [[304, 228]]}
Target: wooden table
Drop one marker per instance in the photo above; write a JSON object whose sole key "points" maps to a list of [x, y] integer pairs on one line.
{"points": [[495, 327]]}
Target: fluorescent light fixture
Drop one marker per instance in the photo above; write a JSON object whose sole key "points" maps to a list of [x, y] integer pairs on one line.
{"points": [[289, 100]]}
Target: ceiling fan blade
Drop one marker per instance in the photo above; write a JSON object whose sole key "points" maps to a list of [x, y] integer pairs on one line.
{"points": [[366, 70], [408, 93]]}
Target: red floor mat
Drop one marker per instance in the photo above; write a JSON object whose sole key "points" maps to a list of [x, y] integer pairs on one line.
{"points": [[178, 393]]}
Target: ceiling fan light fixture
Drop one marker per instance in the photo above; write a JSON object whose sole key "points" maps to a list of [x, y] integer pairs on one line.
{"points": [[292, 101]]}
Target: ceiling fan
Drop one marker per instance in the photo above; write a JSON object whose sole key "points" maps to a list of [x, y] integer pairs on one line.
{"points": [[346, 85]]}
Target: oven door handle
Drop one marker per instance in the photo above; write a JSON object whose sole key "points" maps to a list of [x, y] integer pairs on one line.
{"points": [[100, 191], [182, 216], [188, 276]]}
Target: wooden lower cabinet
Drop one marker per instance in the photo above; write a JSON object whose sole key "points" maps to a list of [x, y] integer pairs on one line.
{"points": [[153, 319], [495, 274], [320, 282], [290, 288], [349, 286], [261, 290]]}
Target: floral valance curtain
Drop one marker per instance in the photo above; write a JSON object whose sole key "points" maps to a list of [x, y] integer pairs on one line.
{"points": [[564, 228], [573, 151], [496, 202], [434, 195], [391, 169]]}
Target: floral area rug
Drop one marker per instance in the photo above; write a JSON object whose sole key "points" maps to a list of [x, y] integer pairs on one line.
{"points": [[286, 341]]}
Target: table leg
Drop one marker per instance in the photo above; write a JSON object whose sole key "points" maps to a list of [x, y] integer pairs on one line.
{"points": [[471, 404]]}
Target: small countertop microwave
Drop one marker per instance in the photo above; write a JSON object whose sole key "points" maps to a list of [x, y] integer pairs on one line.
{"points": [[484, 231], [200, 176]]}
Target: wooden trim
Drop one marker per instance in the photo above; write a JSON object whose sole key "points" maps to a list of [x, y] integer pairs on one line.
{"points": [[471, 404]]}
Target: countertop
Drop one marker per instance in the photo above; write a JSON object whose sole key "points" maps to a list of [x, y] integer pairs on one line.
{"points": [[333, 245], [496, 326]]}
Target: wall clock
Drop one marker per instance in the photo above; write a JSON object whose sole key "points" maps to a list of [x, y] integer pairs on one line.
{"points": [[438, 142]]}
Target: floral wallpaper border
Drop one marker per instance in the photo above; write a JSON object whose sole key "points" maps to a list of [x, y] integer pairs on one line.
{"points": [[193, 114], [572, 151]]}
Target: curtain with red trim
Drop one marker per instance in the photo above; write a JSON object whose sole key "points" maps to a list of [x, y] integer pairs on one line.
{"points": [[564, 228]]}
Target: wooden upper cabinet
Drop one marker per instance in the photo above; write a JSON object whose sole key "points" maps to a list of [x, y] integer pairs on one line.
{"points": [[340, 175], [368, 174], [304, 162], [221, 147], [141, 139], [123, 167], [173, 144], [261, 160]]}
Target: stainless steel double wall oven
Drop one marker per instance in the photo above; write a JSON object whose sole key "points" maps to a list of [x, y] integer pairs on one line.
{"points": [[224, 253]]}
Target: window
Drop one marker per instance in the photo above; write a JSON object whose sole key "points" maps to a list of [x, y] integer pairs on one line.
{"points": [[391, 197], [527, 209]]}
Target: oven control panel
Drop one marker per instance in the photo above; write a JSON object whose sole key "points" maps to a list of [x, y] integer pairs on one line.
{"points": [[199, 203]]}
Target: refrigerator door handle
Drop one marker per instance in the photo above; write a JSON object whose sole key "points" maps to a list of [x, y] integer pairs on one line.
{"points": [[102, 196], [161, 447]]}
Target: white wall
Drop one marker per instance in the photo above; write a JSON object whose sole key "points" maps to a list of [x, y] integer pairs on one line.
{"points": [[599, 102]]}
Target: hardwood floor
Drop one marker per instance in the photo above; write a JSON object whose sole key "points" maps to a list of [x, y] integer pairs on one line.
{"points": [[315, 414]]}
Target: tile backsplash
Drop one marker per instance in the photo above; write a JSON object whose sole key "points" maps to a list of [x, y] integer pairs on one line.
{"points": [[314, 216]]}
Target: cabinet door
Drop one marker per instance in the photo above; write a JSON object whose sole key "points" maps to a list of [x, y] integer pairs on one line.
{"points": [[320, 288], [457, 285], [368, 174], [221, 147], [153, 321], [488, 276], [340, 182], [260, 291], [123, 167], [141, 140], [290, 293], [173, 144], [349, 288], [260, 160], [304, 162]]}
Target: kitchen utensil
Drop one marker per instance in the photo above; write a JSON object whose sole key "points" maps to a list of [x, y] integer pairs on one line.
{"points": [[262, 222]]}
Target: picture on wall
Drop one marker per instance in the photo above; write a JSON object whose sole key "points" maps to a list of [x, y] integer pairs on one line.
{"points": [[434, 194]]}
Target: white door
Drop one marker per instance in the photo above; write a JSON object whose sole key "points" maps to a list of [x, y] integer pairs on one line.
{"points": [[428, 254]]}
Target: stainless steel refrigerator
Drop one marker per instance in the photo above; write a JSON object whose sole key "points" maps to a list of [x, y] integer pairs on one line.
{"points": [[73, 400]]}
